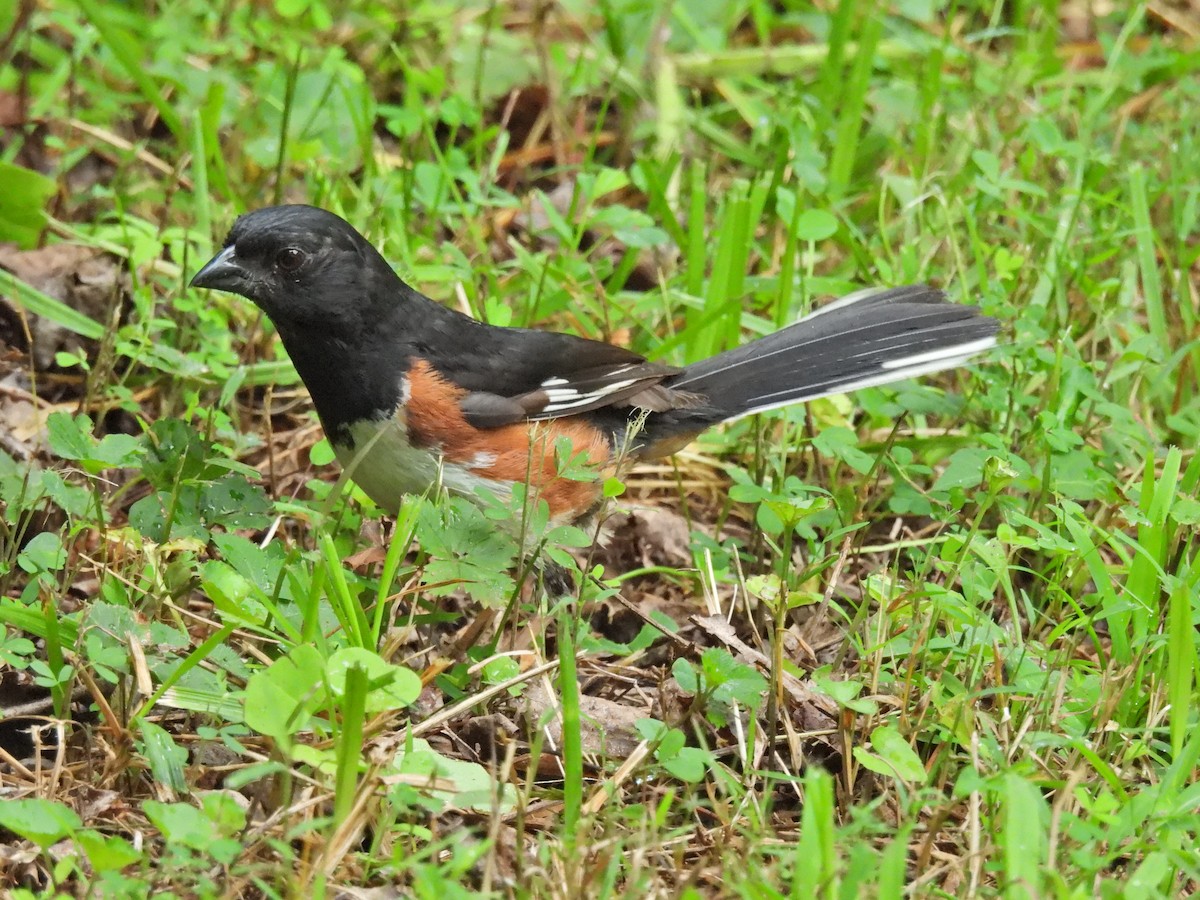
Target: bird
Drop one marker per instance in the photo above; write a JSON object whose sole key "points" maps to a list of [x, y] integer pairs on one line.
{"points": [[413, 394]]}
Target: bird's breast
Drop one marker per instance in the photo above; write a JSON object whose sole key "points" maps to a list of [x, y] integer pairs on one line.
{"points": [[427, 441], [382, 460]]}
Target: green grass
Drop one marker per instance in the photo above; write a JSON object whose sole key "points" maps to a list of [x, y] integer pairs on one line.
{"points": [[938, 639]]}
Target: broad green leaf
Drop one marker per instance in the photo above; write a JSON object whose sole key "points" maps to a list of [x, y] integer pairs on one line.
{"points": [[894, 750], [688, 764], [23, 204], [181, 823], [280, 698], [106, 853], [44, 553], [388, 686], [41, 821]]}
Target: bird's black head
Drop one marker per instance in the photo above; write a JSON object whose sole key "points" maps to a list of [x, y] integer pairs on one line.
{"points": [[303, 266]]}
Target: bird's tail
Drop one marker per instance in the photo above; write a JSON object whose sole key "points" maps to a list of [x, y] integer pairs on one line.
{"points": [[868, 338]]}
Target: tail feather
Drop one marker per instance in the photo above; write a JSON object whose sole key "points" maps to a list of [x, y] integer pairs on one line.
{"points": [[865, 339]]}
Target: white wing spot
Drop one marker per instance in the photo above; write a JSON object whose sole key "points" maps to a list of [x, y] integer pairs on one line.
{"points": [[614, 387], [562, 399]]}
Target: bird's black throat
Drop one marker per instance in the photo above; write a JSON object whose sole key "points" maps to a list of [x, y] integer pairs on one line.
{"points": [[347, 382]]}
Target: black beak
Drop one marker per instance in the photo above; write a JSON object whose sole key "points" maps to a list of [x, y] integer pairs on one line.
{"points": [[223, 273]]}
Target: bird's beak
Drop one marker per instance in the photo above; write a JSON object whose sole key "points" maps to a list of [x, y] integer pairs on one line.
{"points": [[223, 273]]}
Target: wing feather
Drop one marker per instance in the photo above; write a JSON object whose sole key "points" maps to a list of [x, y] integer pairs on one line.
{"points": [[571, 393]]}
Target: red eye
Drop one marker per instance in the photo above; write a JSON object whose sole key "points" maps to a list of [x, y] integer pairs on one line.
{"points": [[289, 259]]}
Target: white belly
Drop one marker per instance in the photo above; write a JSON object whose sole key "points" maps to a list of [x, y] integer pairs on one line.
{"points": [[386, 466]]}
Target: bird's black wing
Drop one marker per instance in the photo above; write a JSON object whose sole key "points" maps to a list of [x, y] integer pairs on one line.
{"points": [[525, 375]]}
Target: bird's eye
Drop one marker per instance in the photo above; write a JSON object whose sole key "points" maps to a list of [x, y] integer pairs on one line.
{"points": [[289, 259]]}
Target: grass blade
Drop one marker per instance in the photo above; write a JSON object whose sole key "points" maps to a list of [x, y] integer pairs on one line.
{"points": [[1147, 257], [34, 301], [572, 739]]}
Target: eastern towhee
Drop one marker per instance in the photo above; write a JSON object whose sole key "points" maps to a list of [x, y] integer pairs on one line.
{"points": [[427, 395]]}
